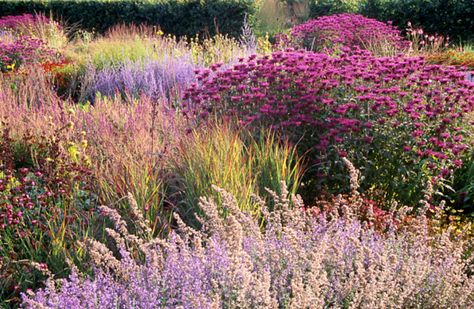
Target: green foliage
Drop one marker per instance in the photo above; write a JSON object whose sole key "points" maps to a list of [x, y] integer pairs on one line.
{"points": [[448, 17], [237, 162], [328, 7], [464, 186], [179, 17]]}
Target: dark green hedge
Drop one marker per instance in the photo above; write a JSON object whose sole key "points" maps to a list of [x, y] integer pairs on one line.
{"points": [[180, 17], [449, 17], [329, 7]]}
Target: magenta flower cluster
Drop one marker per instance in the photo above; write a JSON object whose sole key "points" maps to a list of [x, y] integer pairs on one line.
{"points": [[14, 21], [344, 105], [24, 50], [351, 30], [21, 198]]}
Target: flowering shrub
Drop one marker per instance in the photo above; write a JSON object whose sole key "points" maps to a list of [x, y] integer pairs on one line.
{"points": [[399, 119], [299, 260], [330, 33], [23, 51]]}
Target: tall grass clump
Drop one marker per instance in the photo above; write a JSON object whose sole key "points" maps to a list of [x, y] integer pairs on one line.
{"points": [[110, 52], [137, 44], [60, 159], [237, 162], [272, 17], [47, 199], [218, 49], [131, 145]]}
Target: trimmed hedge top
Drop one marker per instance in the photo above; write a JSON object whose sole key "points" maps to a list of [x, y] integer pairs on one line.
{"points": [[179, 17], [188, 17]]}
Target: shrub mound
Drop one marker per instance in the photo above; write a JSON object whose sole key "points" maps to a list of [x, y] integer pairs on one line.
{"points": [[329, 33], [453, 18], [400, 119]]}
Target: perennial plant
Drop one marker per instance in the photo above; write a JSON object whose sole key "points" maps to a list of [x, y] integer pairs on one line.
{"points": [[330, 33], [400, 119]]}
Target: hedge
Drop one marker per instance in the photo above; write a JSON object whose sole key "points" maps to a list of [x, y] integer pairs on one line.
{"points": [[179, 17], [188, 17], [449, 17]]}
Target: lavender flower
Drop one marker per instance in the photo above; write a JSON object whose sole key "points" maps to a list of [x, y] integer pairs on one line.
{"points": [[155, 79], [247, 38]]}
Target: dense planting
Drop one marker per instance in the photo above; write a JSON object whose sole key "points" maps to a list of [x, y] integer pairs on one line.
{"points": [[299, 260], [23, 51], [24, 41], [330, 33], [38, 200], [152, 125], [450, 18], [356, 105]]}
